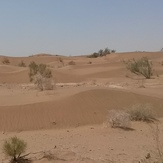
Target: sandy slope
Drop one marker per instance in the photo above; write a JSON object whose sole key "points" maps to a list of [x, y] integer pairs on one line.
{"points": [[82, 108], [92, 144]]}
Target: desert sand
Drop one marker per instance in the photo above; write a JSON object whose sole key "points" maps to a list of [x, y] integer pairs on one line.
{"points": [[69, 123]]}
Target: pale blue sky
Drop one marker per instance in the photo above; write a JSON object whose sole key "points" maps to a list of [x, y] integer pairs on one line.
{"points": [[78, 27]]}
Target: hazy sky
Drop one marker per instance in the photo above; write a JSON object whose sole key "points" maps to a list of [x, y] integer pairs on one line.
{"points": [[76, 27]]}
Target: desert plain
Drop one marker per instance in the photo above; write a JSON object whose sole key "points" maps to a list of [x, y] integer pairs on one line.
{"points": [[70, 123]]}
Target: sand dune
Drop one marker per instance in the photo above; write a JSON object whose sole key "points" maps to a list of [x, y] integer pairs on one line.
{"points": [[71, 119], [83, 108], [85, 68]]}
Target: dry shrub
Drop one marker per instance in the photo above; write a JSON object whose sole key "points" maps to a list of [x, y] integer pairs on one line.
{"points": [[72, 63], [5, 60], [49, 156], [60, 60], [43, 83], [141, 112], [41, 76], [119, 119], [48, 84], [22, 64], [41, 69]]}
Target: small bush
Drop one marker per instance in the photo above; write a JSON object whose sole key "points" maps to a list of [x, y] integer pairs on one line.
{"points": [[13, 148], [43, 83], [21, 64], [141, 112], [94, 55], [40, 75], [113, 51], [142, 66], [72, 63], [5, 60], [119, 119], [60, 60], [39, 69], [50, 156]]}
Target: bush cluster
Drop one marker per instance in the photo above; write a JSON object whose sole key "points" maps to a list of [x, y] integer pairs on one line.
{"points": [[101, 53], [138, 112]]}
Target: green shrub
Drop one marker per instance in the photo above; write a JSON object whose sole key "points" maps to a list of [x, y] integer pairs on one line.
{"points": [[39, 69], [40, 75], [142, 66], [141, 112], [13, 148]]}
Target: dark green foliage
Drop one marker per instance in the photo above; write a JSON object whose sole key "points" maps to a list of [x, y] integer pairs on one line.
{"points": [[101, 53], [94, 55], [106, 51], [113, 51]]}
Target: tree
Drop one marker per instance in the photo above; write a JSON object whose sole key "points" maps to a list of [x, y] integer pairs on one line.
{"points": [[113, 51], [106, 51], [100, 52], [142, 66]]}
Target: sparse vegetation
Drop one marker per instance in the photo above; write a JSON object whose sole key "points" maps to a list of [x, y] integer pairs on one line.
{"points": [[101, 53], [50, 156], [41, 76], [119, 119], [141, 112], [113, 51], [22, 64], [14, 148], [72, 63], [60, 60], [141, 66], [5, 60]]}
